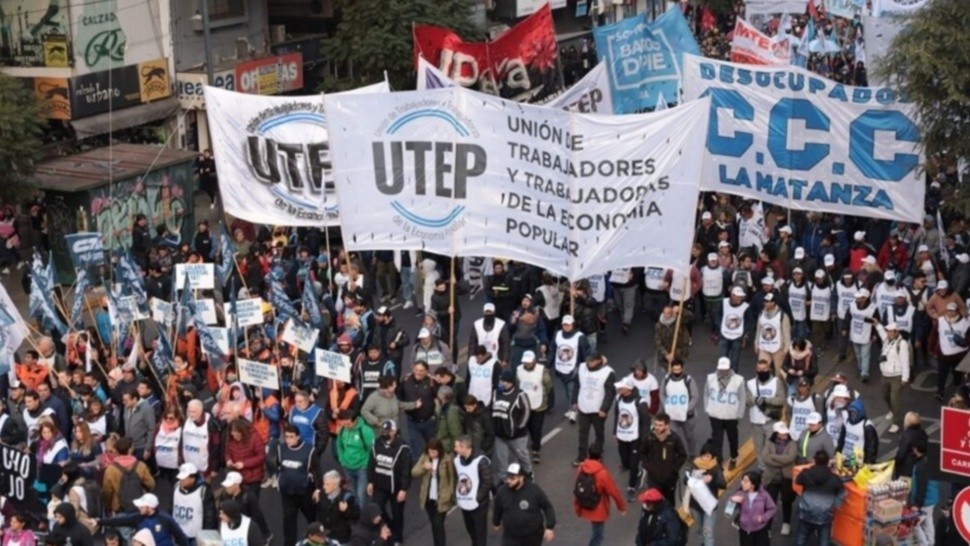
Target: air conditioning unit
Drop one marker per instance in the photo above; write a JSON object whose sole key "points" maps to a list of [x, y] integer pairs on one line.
{"points": [[277, 33]]}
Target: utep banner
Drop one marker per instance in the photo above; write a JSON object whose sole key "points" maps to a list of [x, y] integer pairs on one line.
{"points": [[86, 249], [590, 95], [456, 172], [751, 46], [521, 65], [645, 59], [273, 156], [789, 137]]}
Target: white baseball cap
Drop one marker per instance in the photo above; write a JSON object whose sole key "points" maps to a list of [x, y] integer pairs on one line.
{"points": [[711, 256], [859, 235], [892, 326], [963, 257], [797, 270], [149, 500], [819, 273], [423, 333], [568, 319], [942, 285], [862, 293], [890, 275], [768, 280], [706, 216], [814, 418], [186, 470], [723, 244], [869, 259], [625, 383], [841, 391], [232, 478], [738, 291], [528, 356], [724, 363], [922, 248], [488, 307], [784, 229], [799, 253], [829, 260], [780, 428]]}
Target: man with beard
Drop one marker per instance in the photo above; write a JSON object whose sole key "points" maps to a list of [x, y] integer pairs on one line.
{"points": [[664, 335], [491, 332], [523, 511], [510, 419], [662, 454], [765, 400]]}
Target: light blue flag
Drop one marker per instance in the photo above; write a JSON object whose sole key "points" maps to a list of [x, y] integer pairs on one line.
{"points": [[645, 59], [80, 288], [310, 304], [41, 303], [226, 251]]}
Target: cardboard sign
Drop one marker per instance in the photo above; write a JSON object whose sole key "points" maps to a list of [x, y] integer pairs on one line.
{"points": [[162, 311], [222, 338], [258, 374], [249, 312], [207, 307], [302, 336], [333, 365], [201, 276]]}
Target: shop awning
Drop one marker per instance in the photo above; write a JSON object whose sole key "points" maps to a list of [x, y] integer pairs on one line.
{"points": [[126, 118]]}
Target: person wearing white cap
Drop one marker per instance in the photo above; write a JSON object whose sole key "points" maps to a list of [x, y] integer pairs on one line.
{"points": [[821, 308], [491, 332], [535, 380], [592, 401], [801, 403], [773, 333], [389, 476], [432, 350], [569, 347], [942, 296], [751, 227], [837, 402], [952, 336], [736, 325], [777, 461], [802, 260], [482, 375], [715, 282], [845, 291], [165, 530], [630, 426], [884, 293], [814, 438], [706, 232], [765, 401], [193, 506], [859, 318], [784, 246], [925, 262], [894, 366], [796, 293], [724, 401]]}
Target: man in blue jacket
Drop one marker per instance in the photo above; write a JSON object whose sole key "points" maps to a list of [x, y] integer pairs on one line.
{"points": [[162, 525]]}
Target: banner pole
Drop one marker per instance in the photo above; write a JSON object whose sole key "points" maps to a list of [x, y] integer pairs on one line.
{"points": [[683, 299], [451, 307]]}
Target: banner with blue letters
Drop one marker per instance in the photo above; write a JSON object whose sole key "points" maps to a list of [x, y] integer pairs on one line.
{"points": [[645, 59], [86, 249], [789, 137]]}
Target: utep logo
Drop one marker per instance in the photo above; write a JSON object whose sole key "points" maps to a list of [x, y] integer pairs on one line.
{"points": [[438, 168], [297, 173], [86, 249]]}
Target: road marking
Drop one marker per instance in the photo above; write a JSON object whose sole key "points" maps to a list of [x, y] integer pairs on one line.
{"points": [[550, 435]]}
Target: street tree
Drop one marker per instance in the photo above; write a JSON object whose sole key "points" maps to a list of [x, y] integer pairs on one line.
{"points": [[929, 61], [20, 138], [374, 36]]}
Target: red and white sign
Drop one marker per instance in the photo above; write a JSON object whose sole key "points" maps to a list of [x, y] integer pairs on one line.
{"points": [[955, 441], [270, 75], [961, 513], [751, 46]]}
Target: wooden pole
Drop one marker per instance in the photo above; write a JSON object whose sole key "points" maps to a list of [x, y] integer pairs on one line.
{"points": [[451, 307], [680, 315]]}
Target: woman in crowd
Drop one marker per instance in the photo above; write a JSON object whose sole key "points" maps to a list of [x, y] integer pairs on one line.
{"points": [[85, 449], [437, 472], [756, 509], [165, 443], [246, 454]]}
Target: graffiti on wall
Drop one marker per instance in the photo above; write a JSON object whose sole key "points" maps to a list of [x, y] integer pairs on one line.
{"points": [[161, 196]]}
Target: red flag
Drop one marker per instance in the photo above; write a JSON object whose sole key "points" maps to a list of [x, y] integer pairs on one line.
{"points": [[812, 9], [708, 21]]}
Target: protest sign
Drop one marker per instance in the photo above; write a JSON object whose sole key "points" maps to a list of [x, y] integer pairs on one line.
{"points": [[786, 136], [207, 308], [457, 172], [300, 335], [644, 59], [201, 276], [521, 65], [249, 312], [162, 311], [333, 365], [86, 249], [221, 335], [752, 46], [18, 471], [258, 374], [273, 157]]}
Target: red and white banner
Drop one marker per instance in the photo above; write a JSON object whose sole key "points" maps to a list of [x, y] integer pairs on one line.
{"points": [[521, 65], [751, 46]]}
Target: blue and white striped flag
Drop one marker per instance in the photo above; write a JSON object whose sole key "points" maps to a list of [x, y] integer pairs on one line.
{"points": [[41, 303]]}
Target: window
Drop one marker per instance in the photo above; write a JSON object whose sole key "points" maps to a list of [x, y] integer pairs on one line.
{"points": [[227, 12]]}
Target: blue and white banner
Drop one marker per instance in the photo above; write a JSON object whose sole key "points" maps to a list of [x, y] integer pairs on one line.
{"points": [[128, 275], [207, 339], [86, 249], [644, 59], [162, 356], [41, 303], [282, 305], [225, 250], [80, 287], [789, 137], [457, 172], [882, 8], [13, 329], [590, 95], [310, 305], [752, 7], [848, 9], [273, 156]]}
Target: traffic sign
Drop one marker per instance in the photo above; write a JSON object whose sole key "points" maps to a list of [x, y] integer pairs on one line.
{"points": [[961, 513], [955, 441]]}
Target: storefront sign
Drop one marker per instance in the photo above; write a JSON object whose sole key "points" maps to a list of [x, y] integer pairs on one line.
{"points": [[53, 98], [119, 88], [955, 441], [113, 33], [270, 75], [190, 86], [34, 33]]}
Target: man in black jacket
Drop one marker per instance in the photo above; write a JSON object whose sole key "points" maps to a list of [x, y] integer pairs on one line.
{"points": [[510, 417], [822, 493], [389, 477], [296, 470], [422, 424], [524, 510], [659, 524], [392, 339], [66, 523], [338, 509]]}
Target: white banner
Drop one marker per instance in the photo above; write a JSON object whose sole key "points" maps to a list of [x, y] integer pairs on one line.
{"points": [[162, 311], [258, 374], [752, 7], [844, 8], [300, 336], [474, 270], [273, 156], [333, 365], [789, 137], [457, 172], [590, 95], [221, 334], [201, 276], [878, 33], [887, 7], [207, 308], [13, 328], [249, 312], [751, 46]]}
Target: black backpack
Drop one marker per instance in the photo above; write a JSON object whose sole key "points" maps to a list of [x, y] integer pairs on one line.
{"points": [[584, 490], [130, 488]]}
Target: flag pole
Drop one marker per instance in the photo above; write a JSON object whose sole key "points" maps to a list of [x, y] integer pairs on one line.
{"points": [[685, 286], [451, 308]]}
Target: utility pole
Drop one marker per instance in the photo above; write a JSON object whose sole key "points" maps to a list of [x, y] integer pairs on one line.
{"points": [[207, 38]]}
